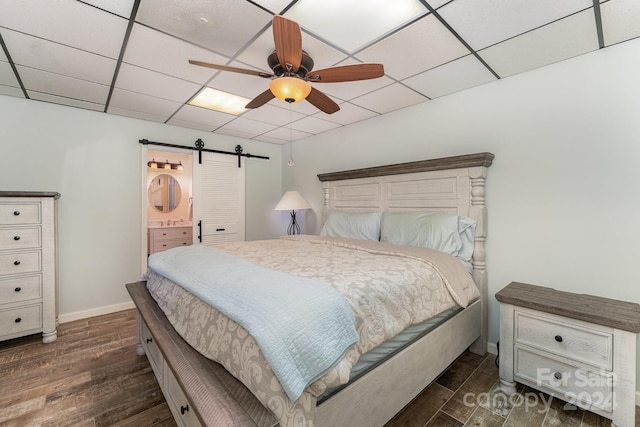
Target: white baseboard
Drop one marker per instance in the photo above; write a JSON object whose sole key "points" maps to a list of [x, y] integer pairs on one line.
{"points": [[78, 315], [493, 349]]}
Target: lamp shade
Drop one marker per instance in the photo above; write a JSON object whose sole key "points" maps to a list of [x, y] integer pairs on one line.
{"points": [[292, 201], [290, 89]]}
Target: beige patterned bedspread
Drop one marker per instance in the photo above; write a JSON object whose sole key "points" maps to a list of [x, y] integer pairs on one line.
{"points": [[388, 288]]}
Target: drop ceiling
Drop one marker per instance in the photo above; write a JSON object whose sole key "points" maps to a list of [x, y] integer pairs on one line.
{"points": [[130, 57]]}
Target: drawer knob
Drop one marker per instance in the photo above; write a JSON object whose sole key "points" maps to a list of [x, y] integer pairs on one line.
{"points": [[557, 375], [18, 320], [184, 409], [16, 213], [16, 237], [149, 340], [558, 338], [18, 289], [16, 262]]}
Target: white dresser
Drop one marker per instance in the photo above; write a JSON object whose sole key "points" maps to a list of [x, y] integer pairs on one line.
{"points": [[579, 348], [163, 238], [28, 264]]}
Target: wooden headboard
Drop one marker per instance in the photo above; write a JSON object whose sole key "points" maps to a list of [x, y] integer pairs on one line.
{"points": [[451, 184]]}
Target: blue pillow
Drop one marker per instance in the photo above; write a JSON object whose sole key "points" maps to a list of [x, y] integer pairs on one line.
{"points": [[451, 234], [355, 225]]}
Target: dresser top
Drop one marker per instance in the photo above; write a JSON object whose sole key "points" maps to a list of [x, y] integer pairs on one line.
{"points": [[30, 194], [602, 311]]}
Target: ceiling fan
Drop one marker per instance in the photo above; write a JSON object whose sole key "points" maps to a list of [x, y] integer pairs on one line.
{"points": [[292, 71]]}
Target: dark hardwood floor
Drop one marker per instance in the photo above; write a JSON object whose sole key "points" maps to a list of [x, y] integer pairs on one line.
{"points": [[91, 376]]}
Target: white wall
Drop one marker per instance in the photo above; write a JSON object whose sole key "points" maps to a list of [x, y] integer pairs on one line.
{"points": [[94, 161], [563, 193]]}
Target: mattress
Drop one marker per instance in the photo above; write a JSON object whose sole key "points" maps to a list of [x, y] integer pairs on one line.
{"points": [[387, 288]]}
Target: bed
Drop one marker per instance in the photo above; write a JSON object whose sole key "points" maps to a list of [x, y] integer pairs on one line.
{"points": [[372, 394]]}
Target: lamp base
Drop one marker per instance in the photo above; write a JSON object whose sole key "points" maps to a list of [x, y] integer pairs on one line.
{"points": [[294, 228]]}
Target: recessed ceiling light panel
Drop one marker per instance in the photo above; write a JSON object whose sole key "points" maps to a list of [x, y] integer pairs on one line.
{"points": [[353, 24], [218, 100]]}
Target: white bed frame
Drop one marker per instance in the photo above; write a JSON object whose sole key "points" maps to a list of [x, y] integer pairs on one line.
{"points": [[453, 185]]}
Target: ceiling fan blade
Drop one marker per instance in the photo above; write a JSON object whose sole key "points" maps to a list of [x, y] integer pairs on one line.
{"points": [[261, 99], [322, 102], [346, 73], [232, 69], [288, 41]]}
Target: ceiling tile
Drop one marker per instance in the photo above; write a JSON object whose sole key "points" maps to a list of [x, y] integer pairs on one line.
{"points": [[271, 114], [141, 80], [223, 26], [348, 113], [156, 51], [452, 77], [620, 20], [314, 125], [119, 7], [213, 119], [7, 76], [66, 101], [45, 55], [284, 134], [483, 23], [67, 22], [68, 87], [424, 45], [390, 98], [352, 24], [271, 140], [143, 103], [247, 126], [11, 91], [555, 42], [137, 114], [191, 125]]}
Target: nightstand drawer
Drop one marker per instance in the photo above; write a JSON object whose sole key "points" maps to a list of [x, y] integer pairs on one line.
{"points": [[577, 385], [579, 341]]}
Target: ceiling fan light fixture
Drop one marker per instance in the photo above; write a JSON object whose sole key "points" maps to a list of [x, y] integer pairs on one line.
{"points": [[290, 89]]}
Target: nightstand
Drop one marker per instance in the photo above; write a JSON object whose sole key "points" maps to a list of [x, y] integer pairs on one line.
{"points": [[579, 348]]}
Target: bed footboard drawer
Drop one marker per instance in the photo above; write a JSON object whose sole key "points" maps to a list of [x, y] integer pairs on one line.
{"points": [[178, 403], [153, 352]]}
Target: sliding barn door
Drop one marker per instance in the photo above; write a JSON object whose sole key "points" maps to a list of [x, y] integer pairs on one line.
{"points": [[218, 198]]}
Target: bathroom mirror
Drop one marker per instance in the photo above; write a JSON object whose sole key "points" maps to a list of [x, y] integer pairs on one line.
{"points": [[164, 193]]}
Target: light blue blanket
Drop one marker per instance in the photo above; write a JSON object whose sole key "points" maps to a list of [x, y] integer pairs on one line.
{"points": [[303, 327]]}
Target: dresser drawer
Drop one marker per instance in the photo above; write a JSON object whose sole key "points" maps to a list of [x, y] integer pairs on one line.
{"points": [[19, 262], [178, 403], [163, 245], [19, 238], [20, 319], [19, 213], [20, 289], [579, 341], [152, 351], [577, 385]]}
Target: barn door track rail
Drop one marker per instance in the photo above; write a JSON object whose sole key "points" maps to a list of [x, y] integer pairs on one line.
{"points": [[199, 145]]}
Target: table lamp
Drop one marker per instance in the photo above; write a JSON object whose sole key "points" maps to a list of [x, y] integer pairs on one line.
{"points": [[292, 201]]}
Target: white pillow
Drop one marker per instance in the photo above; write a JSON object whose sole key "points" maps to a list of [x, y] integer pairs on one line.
{"points": [[451, 234], [355, 225]]}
